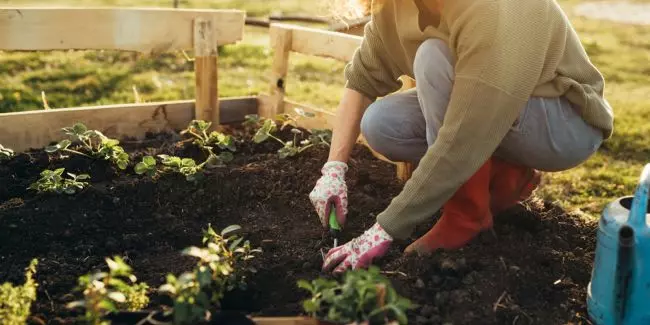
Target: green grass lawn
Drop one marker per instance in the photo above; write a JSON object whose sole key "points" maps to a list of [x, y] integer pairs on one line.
{"points": [[83, 78]]}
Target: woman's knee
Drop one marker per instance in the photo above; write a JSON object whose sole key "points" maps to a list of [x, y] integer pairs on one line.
{"points": [[433, 61]]}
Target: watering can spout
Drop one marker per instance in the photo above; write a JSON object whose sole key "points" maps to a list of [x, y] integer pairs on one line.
{"points": [[640, 204]]}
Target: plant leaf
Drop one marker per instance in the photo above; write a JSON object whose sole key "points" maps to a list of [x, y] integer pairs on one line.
{"points": [[140, 168], [304, 284], [76, 304], [83, 177], [149, 161], [399, 314], [79, 128], [116, 296], [226, 156], [235, 244], [230, 229]]}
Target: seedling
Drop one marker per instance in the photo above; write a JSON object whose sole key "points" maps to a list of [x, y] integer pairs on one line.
{"points": [[198, 129], [16, 301], [5, 153], [267, 127], [192, 171], [364, 295], [110, 292], [185, 166], [52, 181], [92, 144], [220, 268], [146, 166]]}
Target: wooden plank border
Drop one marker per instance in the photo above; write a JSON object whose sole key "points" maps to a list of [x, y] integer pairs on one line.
{"points": [[22, 131], [317, 42], [151, 30]]}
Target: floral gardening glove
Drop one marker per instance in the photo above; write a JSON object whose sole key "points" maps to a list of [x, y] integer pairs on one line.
{"points": [[359, 252], [331, 189]]}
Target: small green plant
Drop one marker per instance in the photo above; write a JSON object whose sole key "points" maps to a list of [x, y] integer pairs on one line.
{"points": [[5, 153], [185, 166], [52, 181], [364, 295], [221, 267], [198, 129], [146, 166], [192, 171], [265, 129], [16, 301], [108, 292], [92, 144]]}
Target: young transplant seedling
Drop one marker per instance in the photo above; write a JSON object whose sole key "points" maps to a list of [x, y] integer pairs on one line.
{"points": [[5, 153], [185, 166], [220, 268], [265, 128], [92, 144], [16, 301], [192, 171], [146, 166], [109, 292], [52, 181], [198, 129], [364, 295]]}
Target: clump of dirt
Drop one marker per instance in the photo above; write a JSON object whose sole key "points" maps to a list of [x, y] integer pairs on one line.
{"points": [[534, 267]]}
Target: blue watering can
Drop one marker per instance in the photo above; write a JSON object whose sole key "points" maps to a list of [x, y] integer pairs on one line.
{"points": [[619, 291]]}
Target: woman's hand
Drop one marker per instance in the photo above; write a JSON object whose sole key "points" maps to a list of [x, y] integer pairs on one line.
{"points": [[331, 190], [359, 252]]}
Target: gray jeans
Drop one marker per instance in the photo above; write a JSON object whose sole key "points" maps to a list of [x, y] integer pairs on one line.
{"points": [[549, 134]]}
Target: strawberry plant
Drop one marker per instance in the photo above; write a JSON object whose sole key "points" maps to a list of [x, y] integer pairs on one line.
{"points": [[198, 129], [52, 181], [92, 144], [363, 296], [185, 166], [220, 268], [192, 171], [265, 129], [146, 166], [16, 301], [5, 153], [109, 292]]}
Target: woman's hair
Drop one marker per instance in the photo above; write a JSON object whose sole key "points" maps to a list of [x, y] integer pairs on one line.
{"points": [[350, 9]]}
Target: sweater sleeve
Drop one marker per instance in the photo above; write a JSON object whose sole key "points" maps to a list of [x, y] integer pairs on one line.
{"points": [[500, 56], [371, 71]]}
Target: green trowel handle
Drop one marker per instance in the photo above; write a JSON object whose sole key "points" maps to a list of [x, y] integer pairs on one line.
{"points": [[335, 228]]}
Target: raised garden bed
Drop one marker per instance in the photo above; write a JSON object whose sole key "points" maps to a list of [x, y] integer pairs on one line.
{"points": [[534, 269]]}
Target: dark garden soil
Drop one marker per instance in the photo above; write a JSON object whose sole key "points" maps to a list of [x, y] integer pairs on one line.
{"points": [[534, 269]]}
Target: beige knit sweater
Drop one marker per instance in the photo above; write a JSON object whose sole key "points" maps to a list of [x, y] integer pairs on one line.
{"points": [[505, 51]]}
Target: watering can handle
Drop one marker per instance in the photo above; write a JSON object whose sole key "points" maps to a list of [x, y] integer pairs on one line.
{"points": [[640, 202]]}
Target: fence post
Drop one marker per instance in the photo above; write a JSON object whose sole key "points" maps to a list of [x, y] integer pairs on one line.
{"points": [[205, 69], [281, 44]]}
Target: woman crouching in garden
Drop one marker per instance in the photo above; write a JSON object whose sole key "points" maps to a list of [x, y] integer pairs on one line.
{"points": [[504, 90]]}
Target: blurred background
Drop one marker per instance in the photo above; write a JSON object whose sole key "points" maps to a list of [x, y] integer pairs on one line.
{"points": [[615, 35]]}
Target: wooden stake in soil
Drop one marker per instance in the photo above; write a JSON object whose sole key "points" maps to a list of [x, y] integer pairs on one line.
{"points": [[205, 69], [281, 39]]}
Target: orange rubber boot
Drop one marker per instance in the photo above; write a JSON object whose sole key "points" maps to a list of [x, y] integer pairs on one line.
{"points": [[464, 216], [510, 184]]}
